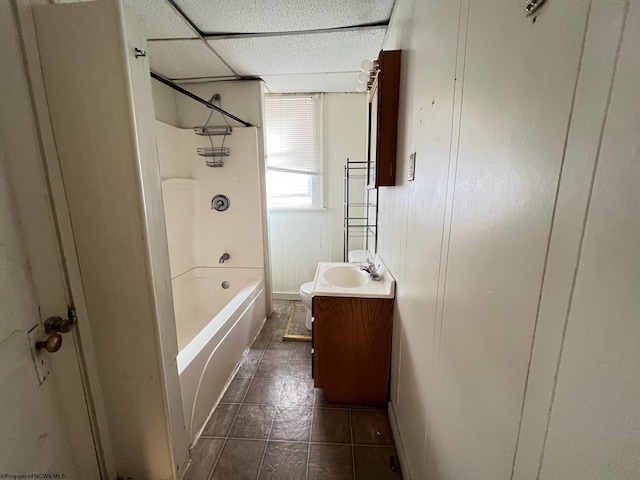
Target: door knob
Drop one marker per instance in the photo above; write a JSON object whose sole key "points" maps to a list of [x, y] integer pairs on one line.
{"points": [[59, 324], [52, 344], [53, 327]]}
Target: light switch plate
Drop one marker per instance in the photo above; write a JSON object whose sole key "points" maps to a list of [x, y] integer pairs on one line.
{"points": [[412, 167]]}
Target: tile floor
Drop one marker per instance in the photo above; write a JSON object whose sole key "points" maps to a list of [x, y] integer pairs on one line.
{"points": [[273, 424]]}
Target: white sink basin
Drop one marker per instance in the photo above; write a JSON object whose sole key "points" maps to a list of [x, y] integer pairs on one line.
{"points": [[340, 279], [346, 276]]}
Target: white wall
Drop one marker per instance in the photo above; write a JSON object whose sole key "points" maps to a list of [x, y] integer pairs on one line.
{"points": [[299, 239], [515, 351], [241, 98], [165, 103]]}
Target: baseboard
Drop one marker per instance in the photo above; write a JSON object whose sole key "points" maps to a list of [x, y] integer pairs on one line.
{"points": [[406, 473], [286, 296]]}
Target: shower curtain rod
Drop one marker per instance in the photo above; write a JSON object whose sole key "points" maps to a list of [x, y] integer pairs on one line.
{"points": [[181, 90]]}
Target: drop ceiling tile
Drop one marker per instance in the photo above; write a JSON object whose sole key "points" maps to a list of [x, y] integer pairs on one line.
{"points": [[251, 16], [305, 53], [177, 59], [161, 20], [311, 83]]}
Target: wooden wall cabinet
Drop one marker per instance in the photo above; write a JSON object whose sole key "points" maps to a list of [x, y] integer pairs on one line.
{"points": [[383, 121], [352, 349]]}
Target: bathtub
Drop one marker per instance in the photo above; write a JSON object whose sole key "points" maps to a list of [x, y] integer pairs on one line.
{"points": [[214, 326]]}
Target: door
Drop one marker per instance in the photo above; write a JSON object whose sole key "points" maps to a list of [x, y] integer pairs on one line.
{"points": [[46, 414]]}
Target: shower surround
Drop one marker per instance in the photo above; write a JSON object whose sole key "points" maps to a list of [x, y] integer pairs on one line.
{"points": [[219, 307]]}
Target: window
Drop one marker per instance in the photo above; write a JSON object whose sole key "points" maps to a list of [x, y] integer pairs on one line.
{"points": [[292, 125]]}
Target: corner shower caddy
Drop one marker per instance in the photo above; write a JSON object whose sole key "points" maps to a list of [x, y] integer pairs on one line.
{"points": [[360, 209]]}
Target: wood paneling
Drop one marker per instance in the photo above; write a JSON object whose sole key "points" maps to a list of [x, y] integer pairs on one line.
{"points": [[468, 242], [352, 349]]}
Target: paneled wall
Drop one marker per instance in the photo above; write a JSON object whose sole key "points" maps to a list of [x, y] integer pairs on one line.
{"points": [[515, 249], [300, 239]]}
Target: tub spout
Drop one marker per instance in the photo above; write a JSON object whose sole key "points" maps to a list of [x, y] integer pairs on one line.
{"points": [[225, 256]]}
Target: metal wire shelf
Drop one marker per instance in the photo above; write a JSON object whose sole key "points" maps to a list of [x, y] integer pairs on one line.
{"points": [[361, 215], [213, 130], [213, 151]]}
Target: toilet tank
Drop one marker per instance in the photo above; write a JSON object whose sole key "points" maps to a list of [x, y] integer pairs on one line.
{"points": [[357, 256]]}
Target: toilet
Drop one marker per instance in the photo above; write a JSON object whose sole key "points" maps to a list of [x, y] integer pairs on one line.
{"points": [[305, 296], [354, 256]]}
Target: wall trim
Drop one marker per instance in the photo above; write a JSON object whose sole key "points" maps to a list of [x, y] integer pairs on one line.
{"points": [[395, 430], [286, 296]]}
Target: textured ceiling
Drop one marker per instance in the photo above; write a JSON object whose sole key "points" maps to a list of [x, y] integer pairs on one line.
{"points": [[161, 20], [307, 61], [178, 59], [252, 16], [308, 53]]}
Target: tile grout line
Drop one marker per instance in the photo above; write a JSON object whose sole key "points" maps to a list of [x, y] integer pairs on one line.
{"points": [[275, 412], [275, 440], [226, 438], [313, 413], [217, 458], [353, 455], [245, 396], [266, 444]]}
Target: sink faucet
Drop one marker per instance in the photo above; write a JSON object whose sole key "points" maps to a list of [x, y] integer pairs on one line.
{"points": [[225, 256], [372, 269]]}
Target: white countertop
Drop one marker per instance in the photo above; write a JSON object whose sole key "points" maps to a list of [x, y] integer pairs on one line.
{"points": [[385, 288]]}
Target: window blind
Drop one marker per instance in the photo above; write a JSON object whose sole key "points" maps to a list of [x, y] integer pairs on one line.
{"points": [[292, 127]]}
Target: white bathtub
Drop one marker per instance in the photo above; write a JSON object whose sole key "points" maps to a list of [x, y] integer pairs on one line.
{"points": [[214, 327]]}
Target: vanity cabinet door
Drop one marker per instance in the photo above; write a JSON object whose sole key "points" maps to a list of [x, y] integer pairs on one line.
{"points": [[352, 349]]}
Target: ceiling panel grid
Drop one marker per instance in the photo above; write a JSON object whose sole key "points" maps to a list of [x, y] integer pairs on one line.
{"points": [[161, 19], [309, 53], [178, 59], [251, 16]]}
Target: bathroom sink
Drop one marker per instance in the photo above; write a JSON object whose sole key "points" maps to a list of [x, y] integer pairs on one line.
{"points": [[341, 279], [346, 276]]}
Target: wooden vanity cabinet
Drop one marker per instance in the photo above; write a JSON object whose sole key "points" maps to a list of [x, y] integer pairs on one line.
{"points": [[352, 349]]}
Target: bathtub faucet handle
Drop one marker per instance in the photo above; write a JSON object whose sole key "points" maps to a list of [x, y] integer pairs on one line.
{"points": [[225, 256]]}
